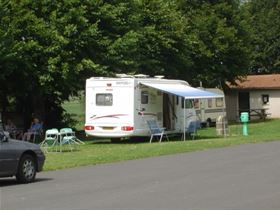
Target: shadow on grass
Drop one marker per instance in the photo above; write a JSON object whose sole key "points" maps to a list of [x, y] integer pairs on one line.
{"points": [[63, 150], [122, 141], [255, 121], [140, 140]]}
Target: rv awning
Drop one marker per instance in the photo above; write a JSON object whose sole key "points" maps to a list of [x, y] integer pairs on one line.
{"points": [[182, 90]]}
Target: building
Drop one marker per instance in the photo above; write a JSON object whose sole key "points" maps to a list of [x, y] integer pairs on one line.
{"points": [[257, 94]]}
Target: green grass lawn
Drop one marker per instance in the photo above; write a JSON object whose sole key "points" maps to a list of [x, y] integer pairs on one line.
{"points": [[98, 152], [76, 110]]}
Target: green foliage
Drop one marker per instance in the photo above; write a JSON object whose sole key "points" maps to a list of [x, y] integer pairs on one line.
{"points": [[74, 115], [220, 40], [265, 23], [48, 48]]}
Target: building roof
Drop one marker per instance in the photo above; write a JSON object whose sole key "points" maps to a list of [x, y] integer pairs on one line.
{"points": [[268, 81]]}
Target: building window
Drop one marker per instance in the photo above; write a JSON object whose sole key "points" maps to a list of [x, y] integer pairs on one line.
{"points": [[104, 99], [144, 97], [265, 98]]}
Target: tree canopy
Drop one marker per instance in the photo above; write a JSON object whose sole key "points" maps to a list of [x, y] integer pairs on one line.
{"points": [[265, 25], [49, 47], [220, 44]]}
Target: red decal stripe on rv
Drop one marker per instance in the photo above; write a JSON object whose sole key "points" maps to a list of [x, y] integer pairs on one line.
{"points": [[108, 116]]}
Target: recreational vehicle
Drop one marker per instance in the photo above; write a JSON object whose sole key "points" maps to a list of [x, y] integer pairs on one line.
{"points": [[208, 110], [120, 107]]}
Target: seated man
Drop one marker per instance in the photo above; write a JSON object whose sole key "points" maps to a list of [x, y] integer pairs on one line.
{"points": [[35, 128], [13, 131]]}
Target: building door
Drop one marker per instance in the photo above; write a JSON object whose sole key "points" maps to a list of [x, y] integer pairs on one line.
{"points": [[244, 102]]}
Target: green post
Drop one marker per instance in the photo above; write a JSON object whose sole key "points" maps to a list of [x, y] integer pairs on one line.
{"points": [[245, 129], [244, 118]]}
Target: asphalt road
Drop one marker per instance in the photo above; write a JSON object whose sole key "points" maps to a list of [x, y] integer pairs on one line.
{"points": [[243, 177]]}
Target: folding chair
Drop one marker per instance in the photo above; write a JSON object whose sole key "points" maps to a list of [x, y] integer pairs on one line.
{"points": [[67, 136], [155, 130], [51, 139], [192, 128]]}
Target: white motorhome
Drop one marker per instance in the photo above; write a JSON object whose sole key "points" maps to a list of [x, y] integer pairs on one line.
{"points": [[120, 107], [208, 110]]}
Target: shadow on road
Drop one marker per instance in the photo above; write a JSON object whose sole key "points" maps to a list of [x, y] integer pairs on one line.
{"points": [[6, 182]]}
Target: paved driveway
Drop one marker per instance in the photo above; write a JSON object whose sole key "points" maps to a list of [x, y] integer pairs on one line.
{"points": [[240, 177]]}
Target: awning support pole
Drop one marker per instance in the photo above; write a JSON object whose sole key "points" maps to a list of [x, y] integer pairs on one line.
{"points": [[184, 128]]}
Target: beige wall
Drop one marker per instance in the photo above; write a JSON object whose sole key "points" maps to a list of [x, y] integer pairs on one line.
{"points": [[273, 106]]}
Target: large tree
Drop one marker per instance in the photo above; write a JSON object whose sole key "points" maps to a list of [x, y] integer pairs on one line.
{"points": [[145, 37], [49, 47], [220, 40], [265, 24], [45, 55]]}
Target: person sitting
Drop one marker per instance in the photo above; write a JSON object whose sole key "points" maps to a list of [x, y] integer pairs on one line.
{"points": [[35, 129], [11, 128]]}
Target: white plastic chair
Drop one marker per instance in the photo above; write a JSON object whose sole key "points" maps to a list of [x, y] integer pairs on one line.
{"points": [[68, 136], [51, 139]]}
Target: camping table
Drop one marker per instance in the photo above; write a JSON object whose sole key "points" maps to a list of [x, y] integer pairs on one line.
{"points": [[261, 113]]}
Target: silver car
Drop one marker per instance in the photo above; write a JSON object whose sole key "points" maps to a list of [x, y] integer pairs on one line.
{"points": [[19, 158]]}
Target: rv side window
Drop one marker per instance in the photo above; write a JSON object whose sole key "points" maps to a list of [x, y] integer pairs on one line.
{"points": [[144, 97], [104, 99], [219, 102], [189, 103], [196, 103]]}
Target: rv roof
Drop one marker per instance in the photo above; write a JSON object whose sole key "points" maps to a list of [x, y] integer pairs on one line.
{"points": [[141, 79], [141, 76], [159, 76], [132, 76], [124, 76]]}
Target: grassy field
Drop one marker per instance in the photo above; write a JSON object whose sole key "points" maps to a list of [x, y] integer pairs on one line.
{"points": [[98, 152], [76, 110]]}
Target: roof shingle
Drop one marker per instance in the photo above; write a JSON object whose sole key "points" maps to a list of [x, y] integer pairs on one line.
{"points": [[268, 81]]}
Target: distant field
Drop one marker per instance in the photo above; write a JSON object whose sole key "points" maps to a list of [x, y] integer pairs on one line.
{"points": [[76, 110]]}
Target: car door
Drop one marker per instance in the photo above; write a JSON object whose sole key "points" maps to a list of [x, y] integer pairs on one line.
{"points": [[8, 158]]}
